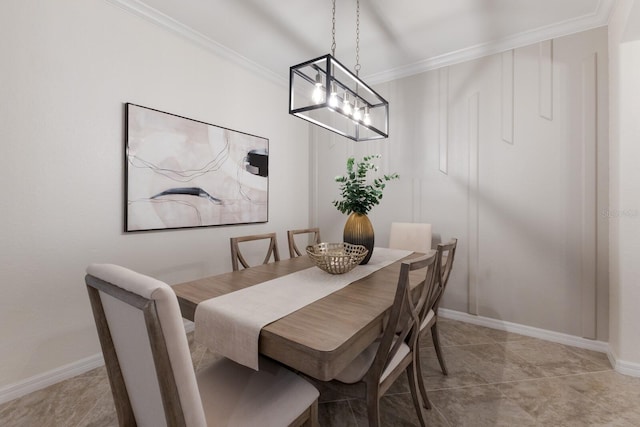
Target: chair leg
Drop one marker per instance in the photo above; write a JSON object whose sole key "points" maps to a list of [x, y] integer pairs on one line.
{"points": [[420, 378], [373, 406], [411, 374], [436, 344], [312, 420]]}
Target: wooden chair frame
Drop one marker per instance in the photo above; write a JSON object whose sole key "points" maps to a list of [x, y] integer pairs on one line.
{"points": [[236, 256], [402, 327], [294, 251], [444, 265]]}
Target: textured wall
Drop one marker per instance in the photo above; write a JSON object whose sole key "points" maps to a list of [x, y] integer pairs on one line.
{"points": [[67, 69]]}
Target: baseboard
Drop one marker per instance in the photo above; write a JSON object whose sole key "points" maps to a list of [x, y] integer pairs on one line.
{"points": [[530, 331], [40, 381], [623, 367]]}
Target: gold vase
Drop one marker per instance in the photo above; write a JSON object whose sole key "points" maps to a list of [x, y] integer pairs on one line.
{"points": [[358, 230]]}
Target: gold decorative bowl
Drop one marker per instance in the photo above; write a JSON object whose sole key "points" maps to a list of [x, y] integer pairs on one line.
{"points": [[336, 258]]}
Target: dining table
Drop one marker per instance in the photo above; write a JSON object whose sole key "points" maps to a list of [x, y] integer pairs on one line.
{"points": [[321, 338]]}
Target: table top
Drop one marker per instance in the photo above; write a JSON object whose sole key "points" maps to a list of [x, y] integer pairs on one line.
{"points": [[320, 339]]}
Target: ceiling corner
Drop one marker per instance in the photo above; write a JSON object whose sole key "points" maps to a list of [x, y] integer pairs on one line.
{"points": [[156, 17]]}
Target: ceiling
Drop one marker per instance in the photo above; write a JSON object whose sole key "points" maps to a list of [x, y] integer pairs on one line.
{"points": [[397, 37]]}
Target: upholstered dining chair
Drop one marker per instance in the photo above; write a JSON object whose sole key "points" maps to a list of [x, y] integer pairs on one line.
{"points": [[294, 251], [445, 254], [410, 236], [238, 259], [151, 373], [374, 370]]}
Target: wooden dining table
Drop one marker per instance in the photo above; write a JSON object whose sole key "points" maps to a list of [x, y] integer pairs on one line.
{"points": [[320, 339]]}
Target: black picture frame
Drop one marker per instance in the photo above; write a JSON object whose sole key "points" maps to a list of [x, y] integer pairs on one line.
{"points": [[184, 173]]}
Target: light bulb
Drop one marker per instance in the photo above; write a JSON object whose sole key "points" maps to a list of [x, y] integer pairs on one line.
{"points": [[367, 116], [317, 94], [333, 97], [357, 114], [346, 106]]}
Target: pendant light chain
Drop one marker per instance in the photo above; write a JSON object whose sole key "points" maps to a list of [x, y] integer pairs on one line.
{"points": [[333, 29], [357, 67]]}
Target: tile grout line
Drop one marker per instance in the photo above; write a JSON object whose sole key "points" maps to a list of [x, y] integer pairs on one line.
{"points": [[433, 405], [504, 395], [86, 415], [518, 381], [489, 342], [515, 402], [353, 414], [6, 406], [334, 401]]}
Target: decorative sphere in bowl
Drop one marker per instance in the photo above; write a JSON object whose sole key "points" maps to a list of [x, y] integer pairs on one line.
{"points": [[336, 258]]}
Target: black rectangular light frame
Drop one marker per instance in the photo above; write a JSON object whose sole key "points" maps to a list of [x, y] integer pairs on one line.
{"points": [[326, 72]]}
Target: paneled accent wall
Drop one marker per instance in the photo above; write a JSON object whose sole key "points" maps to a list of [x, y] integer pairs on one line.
{"points": [[502, 153]]}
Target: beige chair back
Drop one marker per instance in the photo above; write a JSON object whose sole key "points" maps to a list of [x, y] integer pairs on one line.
{"points": [[410, 236], [145, 348], [237, 259], [313, 238]]}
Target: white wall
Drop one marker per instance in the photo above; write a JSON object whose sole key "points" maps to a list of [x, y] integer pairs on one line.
{"points": [[624, 47], [67, 69], [522, 137]]}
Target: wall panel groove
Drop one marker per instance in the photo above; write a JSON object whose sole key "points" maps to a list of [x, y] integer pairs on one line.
{"points": [[545, 80], [443, 97], [473, 203], [507, 104], [588, 197]]}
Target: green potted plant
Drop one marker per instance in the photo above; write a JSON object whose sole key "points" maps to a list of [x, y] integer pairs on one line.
{"points": [[358, 196]]}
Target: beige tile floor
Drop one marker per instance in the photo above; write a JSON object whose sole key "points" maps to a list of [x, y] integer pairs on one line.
{"points": [[495, 379]]}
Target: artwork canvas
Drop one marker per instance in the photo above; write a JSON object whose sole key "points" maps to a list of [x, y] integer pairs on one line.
{"points": [[186, 173]]}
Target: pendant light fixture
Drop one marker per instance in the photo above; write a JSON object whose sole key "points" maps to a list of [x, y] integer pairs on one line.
{"points": [[324, 92]]}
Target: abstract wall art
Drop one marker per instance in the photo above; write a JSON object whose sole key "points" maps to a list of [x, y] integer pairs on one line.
{"points": [[186, 173]]}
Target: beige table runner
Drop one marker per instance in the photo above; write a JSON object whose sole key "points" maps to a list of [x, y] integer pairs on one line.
{"points": [[230, 324]]}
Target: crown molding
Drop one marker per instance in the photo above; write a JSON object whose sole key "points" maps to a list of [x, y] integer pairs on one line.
{"points": [[156, 17], [598, 18]]}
